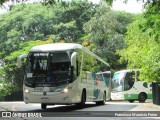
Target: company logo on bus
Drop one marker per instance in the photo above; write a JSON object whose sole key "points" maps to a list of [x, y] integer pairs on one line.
{"points": [[44, 93]]}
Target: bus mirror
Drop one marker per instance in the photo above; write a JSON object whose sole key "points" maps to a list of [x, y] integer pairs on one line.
{"points": [[20, 59], [73, 59]]}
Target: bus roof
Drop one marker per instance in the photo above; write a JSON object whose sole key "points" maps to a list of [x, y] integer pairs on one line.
{"points": [[129, 70], [63, 47], [55, 47]]}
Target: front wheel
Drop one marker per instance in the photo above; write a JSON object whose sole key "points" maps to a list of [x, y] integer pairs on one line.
{"points": [[83, 100]]}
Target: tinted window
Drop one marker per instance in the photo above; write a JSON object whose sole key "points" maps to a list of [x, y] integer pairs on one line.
{"points": [[129, 80]]}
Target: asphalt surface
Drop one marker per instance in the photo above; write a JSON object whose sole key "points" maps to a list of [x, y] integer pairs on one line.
{"points": [[112, 110]]}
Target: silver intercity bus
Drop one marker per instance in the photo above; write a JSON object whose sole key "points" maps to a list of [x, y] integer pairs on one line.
{"points": [[64, 73]]}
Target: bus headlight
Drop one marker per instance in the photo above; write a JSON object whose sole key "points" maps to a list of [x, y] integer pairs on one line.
{"points": [[27, 91], [65, 90]]}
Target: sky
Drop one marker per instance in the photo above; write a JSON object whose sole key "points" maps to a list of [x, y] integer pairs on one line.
{"points": [[132, 6]]}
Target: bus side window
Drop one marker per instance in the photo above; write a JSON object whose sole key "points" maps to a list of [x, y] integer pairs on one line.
{"points": [[75, 69], [77, 66], [107, 77], [129, 80]]}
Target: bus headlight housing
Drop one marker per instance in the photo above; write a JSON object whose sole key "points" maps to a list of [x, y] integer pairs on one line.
{"points": [[65, 90], [27, 91]]}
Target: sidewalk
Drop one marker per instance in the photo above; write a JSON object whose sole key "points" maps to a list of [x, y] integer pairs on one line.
{"points": [[147, 107], [154, 106]]}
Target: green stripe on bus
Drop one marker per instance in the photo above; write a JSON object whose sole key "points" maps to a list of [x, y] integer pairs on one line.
{"points": [[130, 96], [135, 96], [149, 96]]}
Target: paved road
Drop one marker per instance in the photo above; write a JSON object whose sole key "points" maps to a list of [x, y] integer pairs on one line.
{"points": [[90, 111]]}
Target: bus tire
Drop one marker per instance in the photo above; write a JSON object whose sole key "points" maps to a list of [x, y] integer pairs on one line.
{"points": [[83, 100], [142, 97], [43, 106], [103, 101], [131, 101]]}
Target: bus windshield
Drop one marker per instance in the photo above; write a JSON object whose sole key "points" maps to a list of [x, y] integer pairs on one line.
{"points": [[123, 81], [48, 69], [117, 82]]}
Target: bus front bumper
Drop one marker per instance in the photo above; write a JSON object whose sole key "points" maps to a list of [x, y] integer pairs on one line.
{"points": [[117, 96], [50, 97]]}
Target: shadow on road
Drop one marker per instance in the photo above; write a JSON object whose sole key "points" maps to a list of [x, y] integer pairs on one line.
{"points": [[67, 108], [89, 110], [88, 107]]}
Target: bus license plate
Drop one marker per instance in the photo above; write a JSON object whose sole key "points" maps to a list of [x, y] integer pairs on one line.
{"points": [[45, 99]]}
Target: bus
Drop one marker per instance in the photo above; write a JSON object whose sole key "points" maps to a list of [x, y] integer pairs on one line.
{"points": [[64, 73], [127, 86]]}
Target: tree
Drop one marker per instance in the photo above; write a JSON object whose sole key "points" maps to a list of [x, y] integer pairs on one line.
{"points": [[143, 40], [59, 21], [2, 2], [71, 20], [106, 30]]}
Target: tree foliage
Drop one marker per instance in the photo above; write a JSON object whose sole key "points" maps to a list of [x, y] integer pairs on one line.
{"points": [[143, 40], [59, 21], [106, 30]]}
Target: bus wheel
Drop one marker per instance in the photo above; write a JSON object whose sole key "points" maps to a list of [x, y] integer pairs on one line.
{"points": [[103, 101], [83, 100], [142, 97], [131, 101], [43, 106]]}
